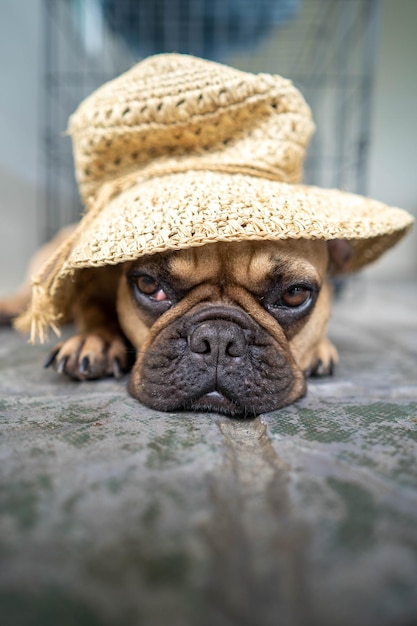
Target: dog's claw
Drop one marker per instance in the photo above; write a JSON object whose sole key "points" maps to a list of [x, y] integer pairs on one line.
{"points": [[319, 369], [85, 366], [325, 360], [322, 369], [51, 358], [62, 364], [117, 370]]}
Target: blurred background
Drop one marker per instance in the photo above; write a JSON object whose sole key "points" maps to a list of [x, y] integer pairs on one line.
{"points": [[354, 60]]}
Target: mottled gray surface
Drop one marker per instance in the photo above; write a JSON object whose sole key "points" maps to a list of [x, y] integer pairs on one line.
{"points": [[113, 514]]}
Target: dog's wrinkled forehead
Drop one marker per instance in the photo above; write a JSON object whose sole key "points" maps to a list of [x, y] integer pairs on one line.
{"points": [[248, 263]]}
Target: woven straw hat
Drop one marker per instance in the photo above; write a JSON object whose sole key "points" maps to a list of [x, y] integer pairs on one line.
{"points": [[181, 152]]}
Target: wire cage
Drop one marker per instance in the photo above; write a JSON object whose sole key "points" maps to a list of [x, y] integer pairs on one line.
{"points": [[327, 47]]}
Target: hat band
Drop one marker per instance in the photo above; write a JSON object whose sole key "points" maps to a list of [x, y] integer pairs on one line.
{"points": [[272, 173]]}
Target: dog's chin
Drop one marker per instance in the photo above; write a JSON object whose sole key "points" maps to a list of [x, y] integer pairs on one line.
{"points": [[216, 402]]}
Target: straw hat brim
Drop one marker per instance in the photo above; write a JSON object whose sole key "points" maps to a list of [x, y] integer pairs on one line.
{"points": [[185, 209]]}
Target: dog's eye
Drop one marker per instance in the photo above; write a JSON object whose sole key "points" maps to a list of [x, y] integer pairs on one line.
{"points": [[296, 296], [289, 303], [150, 287], [147, 285]]}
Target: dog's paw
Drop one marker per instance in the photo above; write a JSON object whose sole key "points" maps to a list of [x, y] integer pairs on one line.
{"points": [[325, 359], [89, 356]]}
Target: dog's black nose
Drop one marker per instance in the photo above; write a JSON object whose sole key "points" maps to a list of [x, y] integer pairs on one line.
{"points": [[218, 339]]}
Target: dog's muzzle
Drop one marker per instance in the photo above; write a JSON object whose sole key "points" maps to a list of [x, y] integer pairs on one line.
{"points": [[216, 358]]}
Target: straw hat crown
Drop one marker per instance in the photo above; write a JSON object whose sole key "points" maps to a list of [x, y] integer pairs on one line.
{"points": [[179, 112]]}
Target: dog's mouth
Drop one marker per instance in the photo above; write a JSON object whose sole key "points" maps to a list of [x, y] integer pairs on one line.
{"points": [[216, 402]]}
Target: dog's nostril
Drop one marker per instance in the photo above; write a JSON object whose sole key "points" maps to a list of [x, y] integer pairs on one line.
{"points": [[237, 346], [201, 340], [203, 347]]}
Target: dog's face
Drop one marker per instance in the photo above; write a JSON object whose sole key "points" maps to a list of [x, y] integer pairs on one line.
{"points": [[228, 327]]}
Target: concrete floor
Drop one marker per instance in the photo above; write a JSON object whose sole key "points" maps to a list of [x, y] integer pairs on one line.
{"points": [[113, 514]]}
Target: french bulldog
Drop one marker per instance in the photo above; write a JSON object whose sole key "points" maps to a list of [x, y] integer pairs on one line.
{"points": [[233, 328]]}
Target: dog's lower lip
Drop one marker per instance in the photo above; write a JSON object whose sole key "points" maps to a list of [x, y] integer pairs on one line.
{"points": [[217, 402]]}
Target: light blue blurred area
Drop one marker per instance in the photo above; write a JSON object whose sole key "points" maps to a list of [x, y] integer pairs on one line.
{"points": [[206, 28]]}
